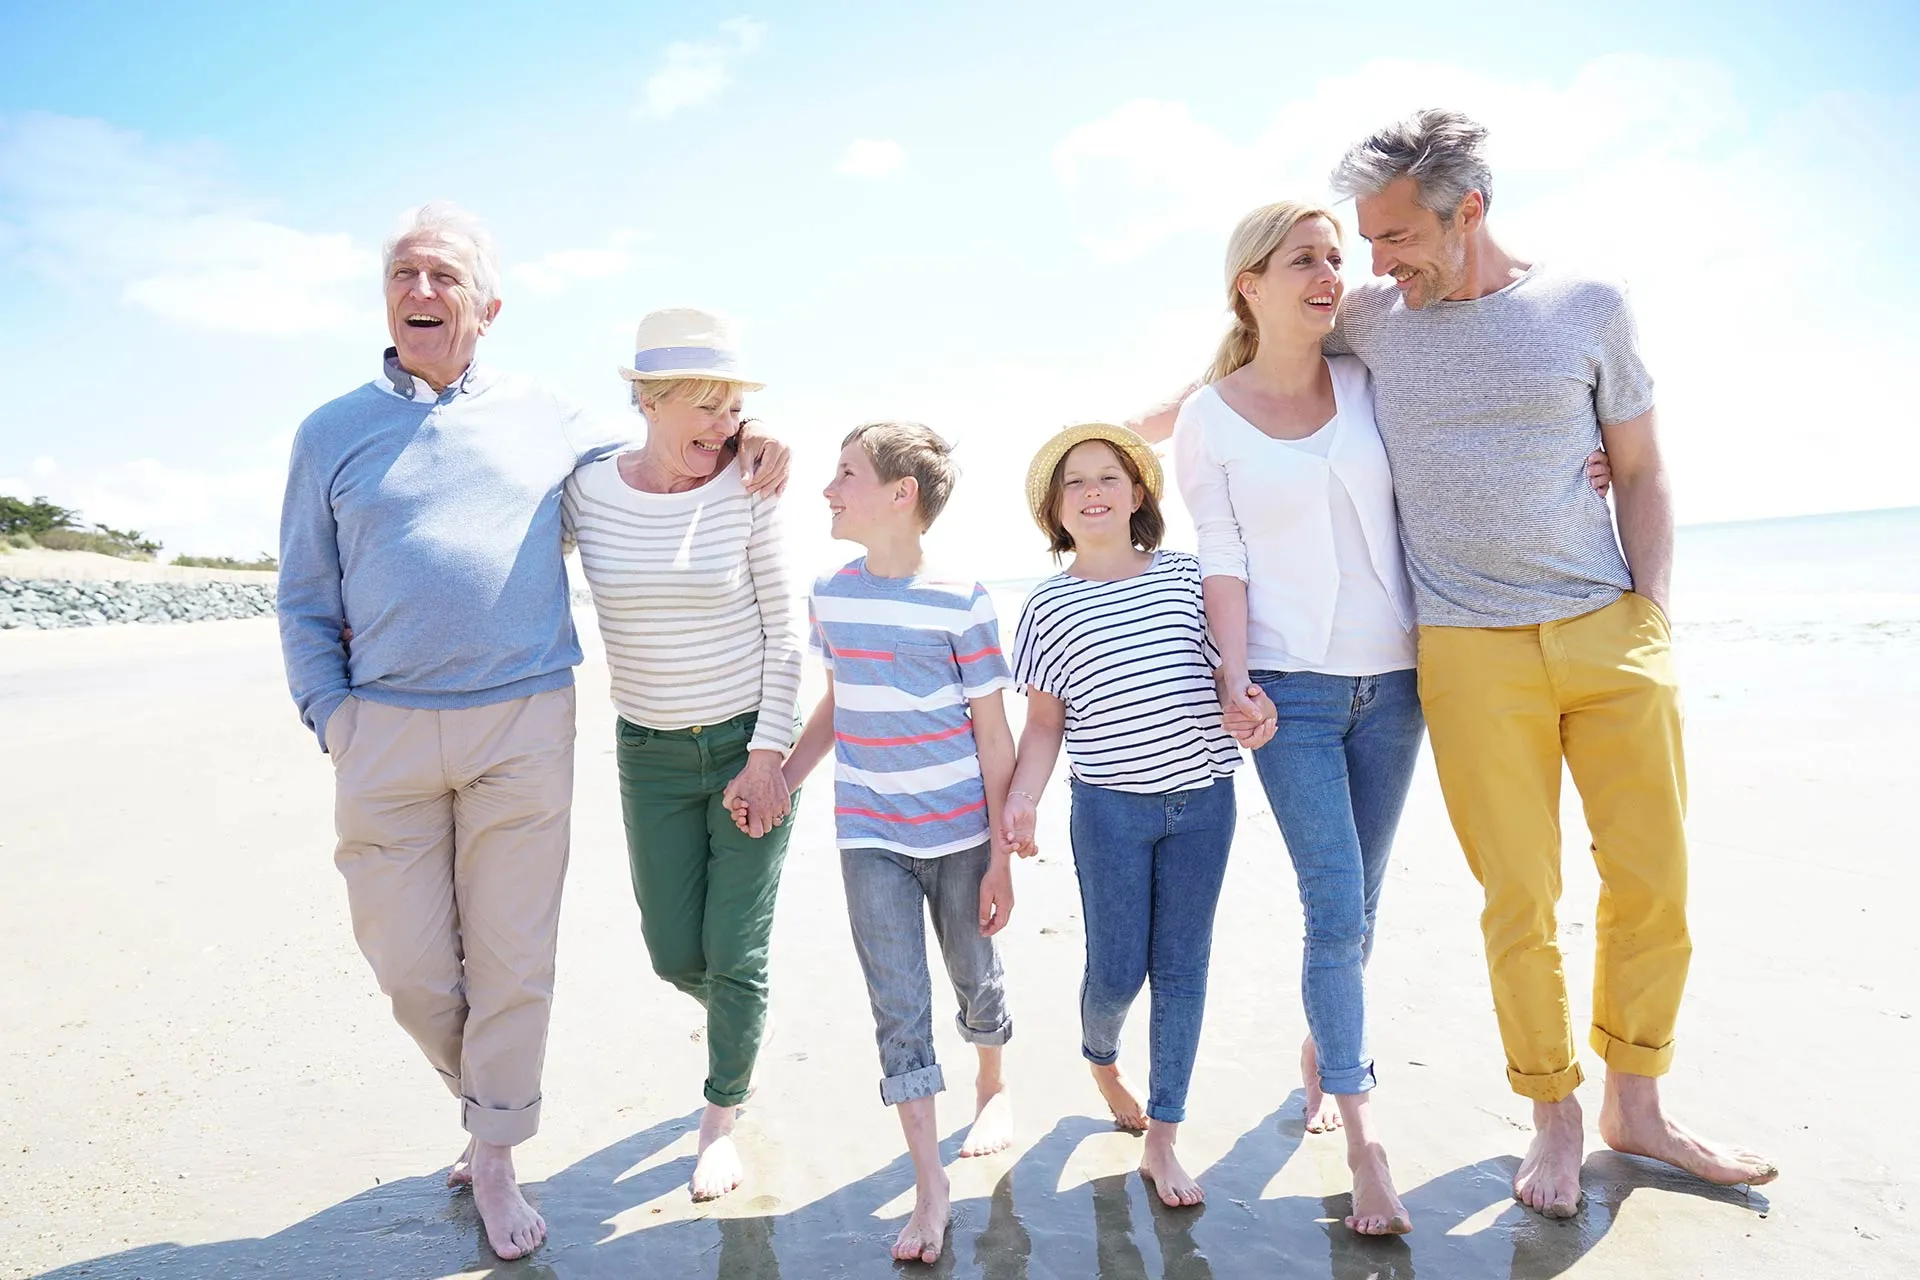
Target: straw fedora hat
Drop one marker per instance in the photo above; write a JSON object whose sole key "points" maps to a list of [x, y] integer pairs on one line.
{"points": [[1041, 472], [684, 342]]}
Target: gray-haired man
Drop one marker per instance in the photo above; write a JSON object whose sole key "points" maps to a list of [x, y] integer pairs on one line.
{"points": [[1540, 641], [422, 520]]}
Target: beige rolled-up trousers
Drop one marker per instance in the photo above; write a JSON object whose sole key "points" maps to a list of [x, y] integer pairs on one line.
{"points": [[453, 832]]}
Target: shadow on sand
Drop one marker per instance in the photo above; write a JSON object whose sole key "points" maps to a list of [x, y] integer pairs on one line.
{"points": [[1041, 1220]]}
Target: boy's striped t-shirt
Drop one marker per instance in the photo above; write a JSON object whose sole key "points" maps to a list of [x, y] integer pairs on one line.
{"points": [[905, 655], [1132, 662]]}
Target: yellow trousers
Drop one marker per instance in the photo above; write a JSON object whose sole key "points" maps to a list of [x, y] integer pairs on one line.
{"points": [[1504, 707]]}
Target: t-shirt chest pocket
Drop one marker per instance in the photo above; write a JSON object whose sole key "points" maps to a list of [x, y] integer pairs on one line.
{"points": [[921, 668]]}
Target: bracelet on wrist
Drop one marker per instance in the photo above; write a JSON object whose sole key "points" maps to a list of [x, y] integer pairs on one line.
{"points": [[1028, 794]]}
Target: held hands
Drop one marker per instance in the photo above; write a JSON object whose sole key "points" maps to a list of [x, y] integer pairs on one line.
{"points": [[1248, 714], [996, 893], [758, 797], [1018, 818]]}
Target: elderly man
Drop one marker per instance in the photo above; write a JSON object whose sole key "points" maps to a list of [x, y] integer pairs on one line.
{"points": [[422, 520]]}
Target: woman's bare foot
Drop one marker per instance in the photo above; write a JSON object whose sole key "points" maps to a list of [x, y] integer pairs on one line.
{"points": [[514, 1230], [1548, 1181], [992, 1123], [1128, 1111], [926, 1230], [1632, 1121], [717, 1169], [461, 1175], [1158, 1165], [1377, 1210], [1323, 1114]]}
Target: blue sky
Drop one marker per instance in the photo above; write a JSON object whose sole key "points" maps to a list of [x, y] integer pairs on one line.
{"points": [[995, 218]]}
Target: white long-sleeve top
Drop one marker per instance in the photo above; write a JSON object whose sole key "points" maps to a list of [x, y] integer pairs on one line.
{"points": [[1309, 525], [694, 601]]}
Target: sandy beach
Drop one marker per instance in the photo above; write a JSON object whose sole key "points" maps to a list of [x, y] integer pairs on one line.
{"points": [[200, 1078]]}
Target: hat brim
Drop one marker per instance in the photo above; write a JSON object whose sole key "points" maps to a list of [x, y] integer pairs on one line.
{"points": [[1040, 472], [709, 375]]}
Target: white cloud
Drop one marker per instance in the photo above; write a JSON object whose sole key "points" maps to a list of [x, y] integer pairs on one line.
{"points": [[694, 72], [871, 158], [87, 204], [554, 273]]}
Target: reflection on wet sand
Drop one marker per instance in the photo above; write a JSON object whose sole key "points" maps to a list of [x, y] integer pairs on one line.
{"points": [[1109, 1226]]}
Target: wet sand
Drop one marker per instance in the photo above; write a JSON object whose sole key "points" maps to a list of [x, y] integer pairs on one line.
{"points": [[201, 1080]]}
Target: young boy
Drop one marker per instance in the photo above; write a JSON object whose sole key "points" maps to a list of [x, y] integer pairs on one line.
{"points": [[922, 759]]}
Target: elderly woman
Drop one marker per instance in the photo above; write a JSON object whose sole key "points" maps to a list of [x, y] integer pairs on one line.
{"points": [[694, 606]]}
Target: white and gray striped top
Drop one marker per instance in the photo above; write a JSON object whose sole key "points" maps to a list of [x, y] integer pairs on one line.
{"points": [[1488, 408], [693, 599]]}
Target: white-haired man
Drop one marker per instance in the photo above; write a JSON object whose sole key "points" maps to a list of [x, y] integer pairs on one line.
{"points": [[422, 520]]}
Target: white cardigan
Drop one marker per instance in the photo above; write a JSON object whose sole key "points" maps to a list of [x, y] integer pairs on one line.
{"points": [[1263, 509]]}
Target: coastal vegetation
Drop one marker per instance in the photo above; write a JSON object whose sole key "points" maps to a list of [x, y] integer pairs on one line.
{"points": [[39, 523]]}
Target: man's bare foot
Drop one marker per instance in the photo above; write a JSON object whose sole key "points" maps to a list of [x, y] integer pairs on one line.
{"points": [[1548, 1181], [1632, 1121], [926, 1230], [1128, 1111], [461, 1175], [1323, 1114], [514, 1230], [717, 1169], [1158, 1165], [1377, 1210], [992, 1123]]}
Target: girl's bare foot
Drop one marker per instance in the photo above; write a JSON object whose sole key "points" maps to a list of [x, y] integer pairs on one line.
{"points": [[926, 1230], [1128, 1111], [1158, 1165], [1632, 1121], [1323, 1114], [461, 1175], [1377, 1210], [514, 1230], [717, 1169]]}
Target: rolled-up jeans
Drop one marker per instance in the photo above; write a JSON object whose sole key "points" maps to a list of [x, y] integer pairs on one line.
{"points": [[889, 896], [1336, 773], [1150, 869]]}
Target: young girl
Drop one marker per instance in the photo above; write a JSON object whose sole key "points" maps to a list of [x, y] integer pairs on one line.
{"points": [[1114, 658]]}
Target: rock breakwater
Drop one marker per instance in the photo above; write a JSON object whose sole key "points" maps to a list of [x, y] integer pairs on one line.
{"points": [[44, 604]]}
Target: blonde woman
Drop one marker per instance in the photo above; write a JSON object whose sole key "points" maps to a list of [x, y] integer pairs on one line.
{"points": [[1307, 596], [702, 643]]}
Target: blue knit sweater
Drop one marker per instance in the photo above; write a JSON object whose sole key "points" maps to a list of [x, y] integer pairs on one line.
{"points": [[430, 524]]}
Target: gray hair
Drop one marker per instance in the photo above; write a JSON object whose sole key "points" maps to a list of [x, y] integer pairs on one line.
{"points": [[442, 217], [1444, 152]]}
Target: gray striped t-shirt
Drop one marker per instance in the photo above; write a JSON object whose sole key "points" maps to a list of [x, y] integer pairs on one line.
{"points": [[1488, 408]]}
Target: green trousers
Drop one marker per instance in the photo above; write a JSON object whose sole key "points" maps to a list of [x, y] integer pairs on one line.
{"points": [[706, 889]]}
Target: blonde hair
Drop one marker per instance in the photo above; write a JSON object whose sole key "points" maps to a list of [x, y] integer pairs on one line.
{"points": [[694, 389], [1252, 243], [901, 449]]}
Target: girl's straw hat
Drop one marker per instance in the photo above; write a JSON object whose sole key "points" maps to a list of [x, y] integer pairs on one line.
{"points": [[1041, 472], [683, 342]]}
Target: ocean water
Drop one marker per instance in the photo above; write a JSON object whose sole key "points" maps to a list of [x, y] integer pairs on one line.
{"points": [[1851, 569]]}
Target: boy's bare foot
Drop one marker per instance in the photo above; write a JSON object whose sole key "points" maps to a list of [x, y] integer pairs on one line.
{"points": [[1128, 1111], [461, 1175], [717, 1169], [1548, 1181], [1632, 1121], [514, 1230], [1158, 1165], [992, 1123], [1323, 1113], [926, 1230], [1377, 1210]]}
